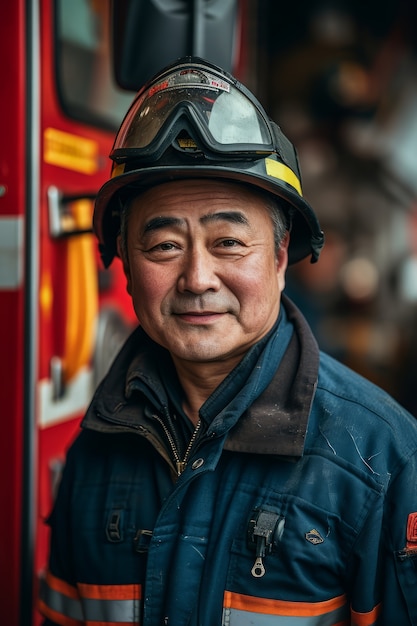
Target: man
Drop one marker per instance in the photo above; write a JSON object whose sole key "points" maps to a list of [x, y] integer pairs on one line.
{"points": [[227, 472]]}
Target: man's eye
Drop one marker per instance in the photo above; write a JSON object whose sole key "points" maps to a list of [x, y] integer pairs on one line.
{"points": [[165, 246], [230, 243], [163, 250]]}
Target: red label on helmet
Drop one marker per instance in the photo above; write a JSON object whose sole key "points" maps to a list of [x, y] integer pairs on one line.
{"points": [[158, 87]]}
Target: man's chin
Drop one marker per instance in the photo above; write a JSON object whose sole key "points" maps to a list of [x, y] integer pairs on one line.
{"points": [[208, 353]]}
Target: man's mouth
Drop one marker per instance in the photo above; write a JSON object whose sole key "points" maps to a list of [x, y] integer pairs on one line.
{"points": [[200, 317]]}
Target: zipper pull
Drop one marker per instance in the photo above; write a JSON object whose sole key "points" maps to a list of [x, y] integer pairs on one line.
{"points": [[258, 570], [265, 531]]}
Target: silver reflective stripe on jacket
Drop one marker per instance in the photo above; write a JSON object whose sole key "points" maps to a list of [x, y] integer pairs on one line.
{"points": [[89, 604]]}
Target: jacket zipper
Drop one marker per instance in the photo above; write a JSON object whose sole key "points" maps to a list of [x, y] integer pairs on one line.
{"points": [[180, 464]]}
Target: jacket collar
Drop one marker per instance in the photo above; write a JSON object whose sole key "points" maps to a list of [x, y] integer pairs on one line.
{"points": [[274, 423]]}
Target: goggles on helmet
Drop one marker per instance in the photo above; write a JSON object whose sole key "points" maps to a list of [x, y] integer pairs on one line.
{"points": [[225, 118]]}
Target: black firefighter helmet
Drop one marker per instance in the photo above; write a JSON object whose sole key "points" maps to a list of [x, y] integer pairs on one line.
{"points": [[194, 120]]}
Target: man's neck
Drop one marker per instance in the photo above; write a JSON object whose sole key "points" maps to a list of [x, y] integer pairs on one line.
{"points": [[198, 381]]}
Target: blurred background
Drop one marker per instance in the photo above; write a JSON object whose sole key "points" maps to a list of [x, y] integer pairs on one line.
{"points": [[340, 78]]}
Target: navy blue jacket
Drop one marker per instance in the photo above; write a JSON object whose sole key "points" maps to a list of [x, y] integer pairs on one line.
{"points": [[298, 504]]}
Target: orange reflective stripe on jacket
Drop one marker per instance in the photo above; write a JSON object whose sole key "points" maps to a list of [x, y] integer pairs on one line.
{"points": [[98, 605], [333, 612], [238, 607], [366, 619]]}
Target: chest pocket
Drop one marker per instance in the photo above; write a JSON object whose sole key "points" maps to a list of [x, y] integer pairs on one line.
{"points": [[291, 550]]}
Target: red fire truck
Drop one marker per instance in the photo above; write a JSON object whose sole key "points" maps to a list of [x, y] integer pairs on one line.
{"points": [[62, 317]]}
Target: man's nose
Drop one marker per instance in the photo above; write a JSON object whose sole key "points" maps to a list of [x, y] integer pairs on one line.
{"points": [[199, 272]]}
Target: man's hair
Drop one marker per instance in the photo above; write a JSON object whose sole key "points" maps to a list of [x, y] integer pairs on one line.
{"points": [[281, 219]]}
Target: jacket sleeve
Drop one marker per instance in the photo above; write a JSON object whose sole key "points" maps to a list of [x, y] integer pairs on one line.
{"points": [[385, 578], [59, 600], [400, 530]]}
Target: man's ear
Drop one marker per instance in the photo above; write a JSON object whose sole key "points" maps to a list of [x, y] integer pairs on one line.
{"points": [[282, 261], [122, 252]]}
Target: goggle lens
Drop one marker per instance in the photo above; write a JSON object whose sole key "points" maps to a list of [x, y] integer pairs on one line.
{"points": [[225, 116]]}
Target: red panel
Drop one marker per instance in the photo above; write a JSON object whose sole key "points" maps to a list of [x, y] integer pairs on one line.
{"points": [[53, 440], [12, 150]]}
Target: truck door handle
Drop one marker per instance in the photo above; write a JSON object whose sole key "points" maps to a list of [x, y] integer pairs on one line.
{"points": [[65, 217]]}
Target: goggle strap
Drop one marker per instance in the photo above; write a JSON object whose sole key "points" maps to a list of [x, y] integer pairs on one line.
{"points": [[285, 148]]}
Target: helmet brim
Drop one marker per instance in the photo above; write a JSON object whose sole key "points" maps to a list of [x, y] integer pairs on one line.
{"points": [[306, 237]]}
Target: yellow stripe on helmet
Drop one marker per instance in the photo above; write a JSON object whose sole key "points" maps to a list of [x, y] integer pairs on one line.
{"points": [[284, 173]]}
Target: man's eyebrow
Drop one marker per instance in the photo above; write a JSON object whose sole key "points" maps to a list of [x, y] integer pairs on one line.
{"points": [[161, 222], [235, 217]]}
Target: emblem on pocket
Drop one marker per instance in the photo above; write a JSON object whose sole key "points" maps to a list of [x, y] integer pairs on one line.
{"points": [[314, 537]]}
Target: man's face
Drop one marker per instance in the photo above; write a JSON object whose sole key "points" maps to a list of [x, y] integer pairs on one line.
{"points": [[202, 269]]}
